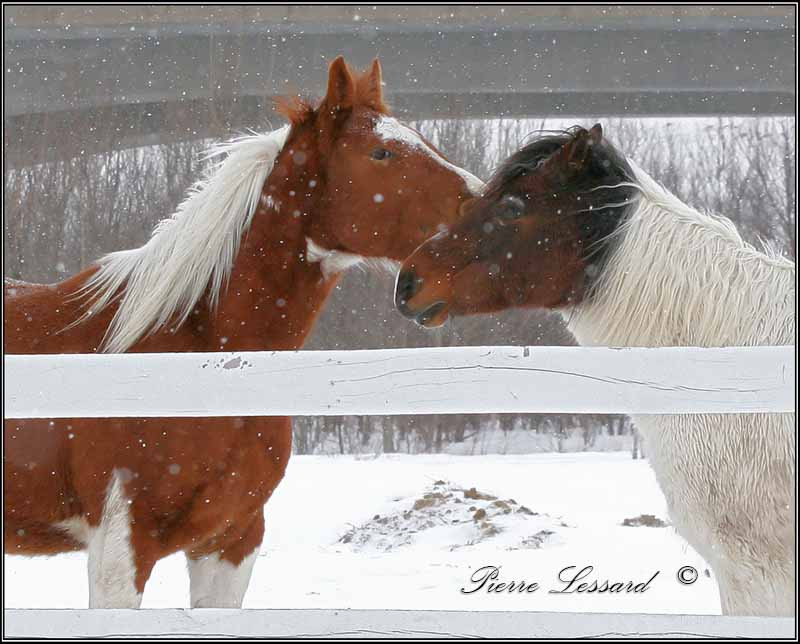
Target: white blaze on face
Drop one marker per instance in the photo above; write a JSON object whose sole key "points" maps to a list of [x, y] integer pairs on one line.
{"points": [[390, 129]]}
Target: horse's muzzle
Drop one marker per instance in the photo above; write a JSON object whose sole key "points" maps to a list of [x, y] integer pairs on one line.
{"points": [[406, 287]]}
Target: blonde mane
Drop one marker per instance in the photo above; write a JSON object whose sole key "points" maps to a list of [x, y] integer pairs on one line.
{"points": [[188, 254]]}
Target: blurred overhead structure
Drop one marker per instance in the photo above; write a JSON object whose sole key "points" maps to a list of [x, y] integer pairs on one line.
{"points": [[80, 79]]}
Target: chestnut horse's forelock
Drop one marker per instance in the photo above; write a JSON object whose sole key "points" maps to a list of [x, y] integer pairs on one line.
{"points": [[299, 110]]}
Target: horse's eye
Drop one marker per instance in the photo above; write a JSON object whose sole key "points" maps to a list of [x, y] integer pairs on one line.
{"points": [[511, 207], [379, 154]]}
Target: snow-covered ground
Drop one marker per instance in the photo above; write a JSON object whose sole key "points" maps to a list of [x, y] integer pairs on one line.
{"points": [[409, 531]]}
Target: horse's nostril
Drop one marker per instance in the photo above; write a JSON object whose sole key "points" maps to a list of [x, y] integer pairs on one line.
{"points": [[407, 285]]}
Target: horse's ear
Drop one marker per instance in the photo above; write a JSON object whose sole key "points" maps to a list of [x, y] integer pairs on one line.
{"points": [[370, 87], [341, 88], [596, 134], [575, 153]]}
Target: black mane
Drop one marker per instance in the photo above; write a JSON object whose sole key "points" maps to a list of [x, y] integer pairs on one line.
{"points": [[602, 210], [608, 166], [526, 159]]}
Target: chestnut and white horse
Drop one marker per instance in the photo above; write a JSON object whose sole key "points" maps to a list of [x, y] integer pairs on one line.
{"points": [[245, 264]]}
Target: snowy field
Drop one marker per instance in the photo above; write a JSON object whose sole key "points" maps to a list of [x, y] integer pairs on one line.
{"points": [[408, 532]]}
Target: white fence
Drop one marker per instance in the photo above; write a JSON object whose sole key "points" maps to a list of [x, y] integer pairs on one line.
{"points": [[403, 381], [408, 381], [210, 622]]}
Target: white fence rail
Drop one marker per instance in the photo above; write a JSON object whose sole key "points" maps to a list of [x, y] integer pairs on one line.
{"points": [[408, 381], [209, 622], [403, 381]]}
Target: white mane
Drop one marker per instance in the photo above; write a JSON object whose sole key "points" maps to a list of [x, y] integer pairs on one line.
{"points": [[191, 251], [683, 278], [679, 277]]}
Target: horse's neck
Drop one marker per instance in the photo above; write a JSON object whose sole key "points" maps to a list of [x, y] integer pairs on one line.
{"points": [[680, 278], [275, 294]]}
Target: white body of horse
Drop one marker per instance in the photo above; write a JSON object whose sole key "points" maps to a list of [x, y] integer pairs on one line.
{"points": [[678, 277]]}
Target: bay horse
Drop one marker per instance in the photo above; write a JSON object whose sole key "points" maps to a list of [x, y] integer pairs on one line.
{"points": [[569, 224], [245, 263]]}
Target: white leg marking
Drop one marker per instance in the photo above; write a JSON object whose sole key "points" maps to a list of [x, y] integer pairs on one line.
{"points": [[112, 571], [216, 583]]}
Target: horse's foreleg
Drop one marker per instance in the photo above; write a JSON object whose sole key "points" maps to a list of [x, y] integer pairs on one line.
{"points": [[112, 565], [218, 583], [219, 578]]}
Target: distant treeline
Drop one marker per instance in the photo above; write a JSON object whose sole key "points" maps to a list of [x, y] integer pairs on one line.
{"points": [[61, 216]]}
